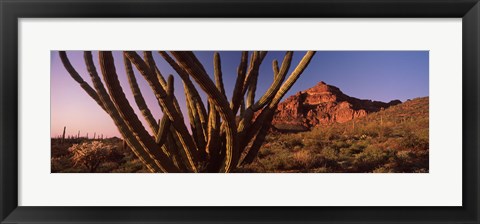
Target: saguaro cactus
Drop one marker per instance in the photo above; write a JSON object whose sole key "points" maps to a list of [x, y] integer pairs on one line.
{"points": [[220, 139], [63, 135]]}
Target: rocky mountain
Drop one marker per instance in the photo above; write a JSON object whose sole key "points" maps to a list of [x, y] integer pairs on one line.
{"points": [[323, 104]]}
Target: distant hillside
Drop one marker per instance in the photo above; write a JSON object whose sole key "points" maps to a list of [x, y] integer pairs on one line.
{"points": [[323, 104], [395, 139]]}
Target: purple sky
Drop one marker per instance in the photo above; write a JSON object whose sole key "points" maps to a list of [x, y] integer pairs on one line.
{"points": [[376, 75]]}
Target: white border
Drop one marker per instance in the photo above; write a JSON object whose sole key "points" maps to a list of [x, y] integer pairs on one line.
{"points": [[441, 187]]}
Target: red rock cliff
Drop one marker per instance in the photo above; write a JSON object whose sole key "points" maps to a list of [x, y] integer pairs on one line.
{"points": [[323, 104]]}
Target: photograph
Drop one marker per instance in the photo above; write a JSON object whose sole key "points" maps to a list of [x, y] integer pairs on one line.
{"points": [[277, 111], [254, 111]]}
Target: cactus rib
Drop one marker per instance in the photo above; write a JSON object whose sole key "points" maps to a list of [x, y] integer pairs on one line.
{"points": [[217, 65], [137, 95], [237, 90]]}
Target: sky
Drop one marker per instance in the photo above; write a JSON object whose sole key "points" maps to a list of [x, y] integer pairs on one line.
{"points": [[375, 75]]}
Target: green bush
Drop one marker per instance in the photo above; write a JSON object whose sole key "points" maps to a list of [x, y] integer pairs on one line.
{"points": [[370, 159]]}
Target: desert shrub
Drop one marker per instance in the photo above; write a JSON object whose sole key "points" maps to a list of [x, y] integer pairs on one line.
{"points": [[358, 146], [290, 141], [369, 129], [60, 149], [330, 153], [131, 166], [282, 161], [346, 153], [312, 143], [408, 161], [412, 141], [340, 144], [372, 157], [60, 163], [306, 160], [385, 131], [91, 154]]}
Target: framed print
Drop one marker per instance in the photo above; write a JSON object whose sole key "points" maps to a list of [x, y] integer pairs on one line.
{"points": [[246, 112]]}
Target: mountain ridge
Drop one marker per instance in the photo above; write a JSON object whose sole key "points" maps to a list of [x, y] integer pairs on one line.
{"points": [[323, 104]]}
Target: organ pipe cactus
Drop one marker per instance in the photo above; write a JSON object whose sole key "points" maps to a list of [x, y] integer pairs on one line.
{"points": [[220, 139]]}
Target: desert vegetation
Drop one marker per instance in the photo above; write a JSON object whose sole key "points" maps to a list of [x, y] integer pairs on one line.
{"points": [[82, 155], [392, 140]]}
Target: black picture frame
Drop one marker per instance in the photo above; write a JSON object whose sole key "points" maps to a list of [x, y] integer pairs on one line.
{"points": [[12, 10]]}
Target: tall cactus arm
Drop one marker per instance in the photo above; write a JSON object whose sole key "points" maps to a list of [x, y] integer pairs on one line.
{"points": [[195, 122], [137, 95], [179, 157], [258, 141], [214, 143], [193, 67], [169, 109], [172, 137], [272, 106], [275, 68], [279, 76], [147, 55], [217, 65], [242, 108], [170, 86], [237, 90], [195, 108], [249, 132], [74, 74], [202, 132], [292, 78], [171, 95], [255, 63], [243, 126], [164, 123], [112, 111], [180, 160], [127, 113], [251, 90], [202, 114], [263, 54], [164, 128], [278, 80], [190, 110], [189, 87]]}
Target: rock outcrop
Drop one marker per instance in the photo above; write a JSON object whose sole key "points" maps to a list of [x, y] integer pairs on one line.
{"points": [[323, 104]]}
